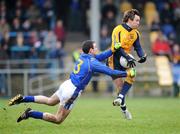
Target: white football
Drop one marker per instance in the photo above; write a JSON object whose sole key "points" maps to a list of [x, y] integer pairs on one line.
{"points": [[123, 62]]}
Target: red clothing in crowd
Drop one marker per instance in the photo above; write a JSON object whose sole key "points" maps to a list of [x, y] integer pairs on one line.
{"points": [[161, 47]]}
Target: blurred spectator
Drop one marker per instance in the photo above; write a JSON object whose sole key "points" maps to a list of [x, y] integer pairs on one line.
{"points": [[4, 26], [109, 14], [155, 25], [33, 13], [19, 50], [176, 79], [40, 25], [138, 4], [176, 69], [150, 12], [59, 54], [25, 4], [75, 22], [177, 22], [27, 26], [18, 13], [48, 13], [176, 54], [125, 5], [16, 26], [3, 11], [167, 28], [50, 43], [60, 32], [3, 56], [76, 54], [105, 39], [161, 46], [166, 13], [62, 8], [109, 6], [6, 43], [85, 9]]}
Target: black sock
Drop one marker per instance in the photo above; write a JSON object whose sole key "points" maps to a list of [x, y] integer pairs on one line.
{"points": [[123, 108], [123, 105]]}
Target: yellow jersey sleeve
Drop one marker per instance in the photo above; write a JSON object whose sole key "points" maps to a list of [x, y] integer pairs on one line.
{"points": [[115, 36]]}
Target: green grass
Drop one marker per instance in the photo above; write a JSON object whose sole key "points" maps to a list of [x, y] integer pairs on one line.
{"points": [[98, 116]]}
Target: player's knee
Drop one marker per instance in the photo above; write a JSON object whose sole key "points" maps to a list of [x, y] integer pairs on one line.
{"points": [[59, 120], [50, 102], [118, 83], [130, 80]]}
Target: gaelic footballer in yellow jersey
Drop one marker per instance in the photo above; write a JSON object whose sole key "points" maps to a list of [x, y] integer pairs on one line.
{"points": [[128, 36]]}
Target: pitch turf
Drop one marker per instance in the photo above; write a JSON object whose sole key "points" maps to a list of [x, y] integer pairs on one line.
{"points": [[98, 116]]}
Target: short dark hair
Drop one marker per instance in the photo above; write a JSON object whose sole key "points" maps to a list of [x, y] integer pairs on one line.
{"points": [[87, 45], [130, 14]]}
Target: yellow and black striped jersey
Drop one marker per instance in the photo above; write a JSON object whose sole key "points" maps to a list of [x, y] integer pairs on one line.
{"points": [[125, 35]]}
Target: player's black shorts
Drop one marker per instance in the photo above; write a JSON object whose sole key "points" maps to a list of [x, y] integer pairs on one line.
{"points": [[113, 63]]}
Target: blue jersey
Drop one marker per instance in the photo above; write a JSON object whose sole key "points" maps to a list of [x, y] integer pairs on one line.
{"points": [[87, 64]]}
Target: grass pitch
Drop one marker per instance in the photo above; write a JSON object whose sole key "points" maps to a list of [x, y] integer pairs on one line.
{"points": [[98, 116]]}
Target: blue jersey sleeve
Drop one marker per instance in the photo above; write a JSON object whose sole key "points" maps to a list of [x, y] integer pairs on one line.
{"points": [[102, 68], [104, 55], [138, 48]]}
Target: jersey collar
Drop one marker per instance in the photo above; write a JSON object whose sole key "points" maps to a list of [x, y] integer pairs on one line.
{"points": [[87, 55], [128, 28]]}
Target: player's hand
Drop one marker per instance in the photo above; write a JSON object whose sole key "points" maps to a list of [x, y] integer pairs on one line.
{"points": [[131, 62], [142, 59], [117, 46]]}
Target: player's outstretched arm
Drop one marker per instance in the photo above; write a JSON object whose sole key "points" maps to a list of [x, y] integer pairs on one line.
{"points": [[106, 54], [102, 68]]}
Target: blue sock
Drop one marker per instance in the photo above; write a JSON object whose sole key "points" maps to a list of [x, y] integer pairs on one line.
{"points": [[125, 88], [28, 99], [35, 114]]}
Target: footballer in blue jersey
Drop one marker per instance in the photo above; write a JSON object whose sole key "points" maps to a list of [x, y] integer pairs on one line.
{"points": [[66, 95]]}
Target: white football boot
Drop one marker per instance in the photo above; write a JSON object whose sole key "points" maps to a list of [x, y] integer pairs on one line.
{"points": [[127, 115]]}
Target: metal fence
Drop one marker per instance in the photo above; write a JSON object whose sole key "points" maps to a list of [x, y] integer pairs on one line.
{"points": [[44, 79]]}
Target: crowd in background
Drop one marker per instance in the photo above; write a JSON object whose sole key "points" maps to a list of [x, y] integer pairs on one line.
{"points": [[29, 30], [37, 28]]}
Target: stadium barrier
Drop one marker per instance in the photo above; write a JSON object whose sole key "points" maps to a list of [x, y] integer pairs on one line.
{"points": [[43, 79]]}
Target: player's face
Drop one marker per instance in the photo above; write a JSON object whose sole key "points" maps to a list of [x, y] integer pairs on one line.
{"points": [[94, 50], [134, 23]]}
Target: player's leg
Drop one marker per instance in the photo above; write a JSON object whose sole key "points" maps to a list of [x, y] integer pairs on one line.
{"points": [[64, 93], [120, 100], [126, 86], [118, 84], [57, 118], [60, 116], [53, 100]]}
